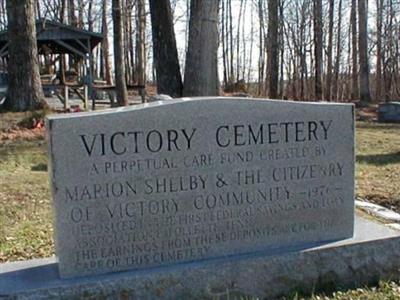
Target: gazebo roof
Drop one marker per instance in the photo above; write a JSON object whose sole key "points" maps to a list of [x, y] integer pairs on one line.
{"points": [[57, 38]]}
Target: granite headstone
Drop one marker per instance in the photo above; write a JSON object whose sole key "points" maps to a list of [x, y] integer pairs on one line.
{"points": [[193, 179], [389, 112]]}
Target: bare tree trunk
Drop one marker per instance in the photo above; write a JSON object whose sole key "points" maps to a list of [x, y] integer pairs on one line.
{"points": [[73, 21], [169, 80], [231, 74], [353, 21], [106, 46], [328, 82], [63, 61], [261, 58], [81, 7], [244, 42], [63, 10], [338, 52], [119, 59], [388, 52], [363, 51], [141, 43], [281, 49], [24, 88], [132, 50], [378, 75], [251, 48], [223, 39], [301, 51], [127, 16], [318, 36], [273, 49], [38, 10], [201, 70], [238, 41], [90, 16], [223, 35]]}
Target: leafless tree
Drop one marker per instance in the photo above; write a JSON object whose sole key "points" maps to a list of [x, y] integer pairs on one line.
{"points": [[119, 57], [24, 88], [169, 80], [363, 51], [273, 49], [201, 68]]}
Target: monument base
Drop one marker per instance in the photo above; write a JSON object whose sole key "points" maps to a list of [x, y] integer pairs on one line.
{"points": [[372, 254]]}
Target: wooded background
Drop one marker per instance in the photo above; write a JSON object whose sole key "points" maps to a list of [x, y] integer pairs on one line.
{"points": [[333, 50]]}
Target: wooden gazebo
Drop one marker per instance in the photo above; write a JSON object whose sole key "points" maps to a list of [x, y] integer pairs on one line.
{"points": [[57, 38]]}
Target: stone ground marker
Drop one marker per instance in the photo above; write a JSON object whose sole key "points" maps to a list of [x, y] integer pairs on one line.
{"points": [[190, 180]]}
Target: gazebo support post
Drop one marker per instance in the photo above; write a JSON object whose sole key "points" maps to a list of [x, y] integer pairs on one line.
{"points": [[90, 74], [66, 97], [86, 102]]}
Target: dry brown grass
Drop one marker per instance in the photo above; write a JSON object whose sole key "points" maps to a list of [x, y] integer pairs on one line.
{"points": [[378, 163]]}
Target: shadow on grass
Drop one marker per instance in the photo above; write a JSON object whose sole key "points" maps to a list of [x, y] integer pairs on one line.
{"points": [[41, 167], [379, 159], [377, 126]]}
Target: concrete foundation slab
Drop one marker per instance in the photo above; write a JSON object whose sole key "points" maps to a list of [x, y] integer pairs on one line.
{"points": [[373, 254]]}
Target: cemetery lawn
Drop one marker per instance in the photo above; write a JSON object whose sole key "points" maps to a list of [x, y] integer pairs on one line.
{"points": [[378, 163], [25, 208], [25, 214]]}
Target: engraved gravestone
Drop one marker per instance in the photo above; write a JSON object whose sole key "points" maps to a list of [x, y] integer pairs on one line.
{"points": [[192, 179]]}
